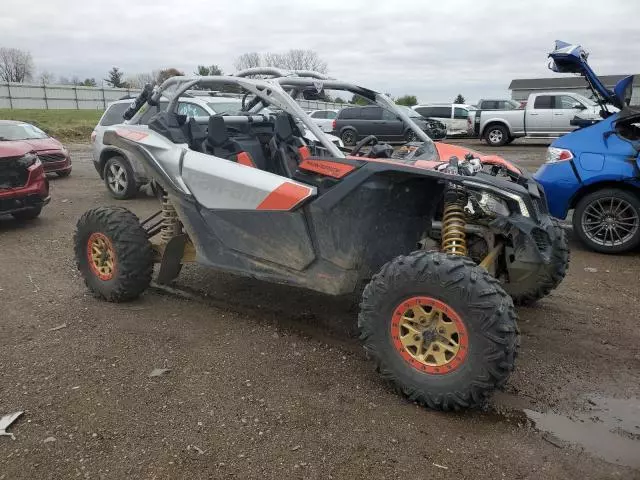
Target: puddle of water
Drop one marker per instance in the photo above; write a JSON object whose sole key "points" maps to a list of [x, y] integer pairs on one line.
{"points": [[608, 428]]}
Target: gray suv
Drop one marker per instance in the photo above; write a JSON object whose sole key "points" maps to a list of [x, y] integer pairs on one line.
{"points": [[354, 123]]}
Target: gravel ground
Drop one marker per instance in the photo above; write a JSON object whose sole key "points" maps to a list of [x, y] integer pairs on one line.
{"points": [[270, 382]]}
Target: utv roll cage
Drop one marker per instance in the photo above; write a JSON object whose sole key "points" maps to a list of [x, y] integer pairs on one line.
{"points": [[275, 87]]}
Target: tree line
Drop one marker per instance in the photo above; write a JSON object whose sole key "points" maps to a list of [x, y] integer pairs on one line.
{"points": [[17, 66]]}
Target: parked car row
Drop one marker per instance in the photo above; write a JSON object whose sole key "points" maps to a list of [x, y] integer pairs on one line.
{"points": [[27, 154]]}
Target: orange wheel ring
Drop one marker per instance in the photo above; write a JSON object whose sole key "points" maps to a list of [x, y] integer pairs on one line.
{"points": [[429, 335], [101, 256]]}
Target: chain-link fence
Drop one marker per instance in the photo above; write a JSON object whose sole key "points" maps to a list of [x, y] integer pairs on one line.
{"points": [[52, 97]]}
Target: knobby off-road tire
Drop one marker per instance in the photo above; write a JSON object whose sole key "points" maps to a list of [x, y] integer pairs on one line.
{"points": [[463, 290], [113, 253], [548, 276]]}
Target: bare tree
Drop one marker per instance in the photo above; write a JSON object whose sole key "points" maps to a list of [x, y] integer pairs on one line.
{"points": [[46, 78], [248, 60], [139, 80], [15, 65], [296, 59]]}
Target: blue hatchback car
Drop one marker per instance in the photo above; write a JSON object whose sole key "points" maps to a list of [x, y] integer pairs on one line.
{"points": [[595, 170]]}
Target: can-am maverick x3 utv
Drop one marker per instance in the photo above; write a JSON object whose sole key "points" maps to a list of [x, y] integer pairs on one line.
{"points": [[443, 243]]}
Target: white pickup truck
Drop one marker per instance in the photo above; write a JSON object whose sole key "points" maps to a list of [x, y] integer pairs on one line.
{"points": [[546, 114]]}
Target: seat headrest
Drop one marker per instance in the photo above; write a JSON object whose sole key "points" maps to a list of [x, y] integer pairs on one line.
{"points": [[283, 128], [217, 133]]}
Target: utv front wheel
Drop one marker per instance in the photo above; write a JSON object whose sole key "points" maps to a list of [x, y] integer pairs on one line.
{"points": [[440, 329], [113, 253]]}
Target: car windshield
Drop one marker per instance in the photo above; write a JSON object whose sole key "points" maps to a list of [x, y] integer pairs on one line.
{"points": [[20, 131], [410, 112], [225, 107]]}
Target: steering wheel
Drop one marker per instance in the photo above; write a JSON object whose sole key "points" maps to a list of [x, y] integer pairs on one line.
{"points": [[371, 139]]}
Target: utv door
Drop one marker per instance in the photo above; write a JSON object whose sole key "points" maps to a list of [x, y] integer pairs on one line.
{"points": [[247, 213]]}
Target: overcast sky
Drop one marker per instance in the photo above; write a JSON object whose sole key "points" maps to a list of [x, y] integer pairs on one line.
{"points": [[433, 49]]}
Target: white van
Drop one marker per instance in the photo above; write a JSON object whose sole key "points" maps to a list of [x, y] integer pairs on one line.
{"points": [[453, 115]]}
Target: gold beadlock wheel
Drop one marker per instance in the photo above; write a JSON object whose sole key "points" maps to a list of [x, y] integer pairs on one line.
{"points": [[429, 299], [113, 253], [101, 256], [429, 335]]}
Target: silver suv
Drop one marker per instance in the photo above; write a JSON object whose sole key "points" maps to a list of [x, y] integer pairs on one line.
{"points": [[122, 176]]}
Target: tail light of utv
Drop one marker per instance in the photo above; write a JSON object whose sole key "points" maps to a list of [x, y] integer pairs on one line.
{"points": [[555, 155]]}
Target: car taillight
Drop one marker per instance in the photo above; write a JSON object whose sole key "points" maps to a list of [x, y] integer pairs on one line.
{"points": [[93, 136], [558, 155], [333, 124]]}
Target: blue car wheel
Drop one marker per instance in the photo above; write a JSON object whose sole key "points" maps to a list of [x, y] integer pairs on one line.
{"points": [[608, 221]]}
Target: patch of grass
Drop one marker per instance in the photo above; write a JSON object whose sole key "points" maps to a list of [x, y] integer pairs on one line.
{"points": [[65, 125]]}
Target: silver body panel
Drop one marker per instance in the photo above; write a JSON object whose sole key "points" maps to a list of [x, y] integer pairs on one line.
{"points": [[217, 183]]}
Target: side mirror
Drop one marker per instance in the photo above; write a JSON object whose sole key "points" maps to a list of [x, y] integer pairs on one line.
{"points": [[579, 106]]}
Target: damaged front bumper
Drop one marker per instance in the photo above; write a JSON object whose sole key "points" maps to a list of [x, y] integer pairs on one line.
{"points": [[531, 244]]}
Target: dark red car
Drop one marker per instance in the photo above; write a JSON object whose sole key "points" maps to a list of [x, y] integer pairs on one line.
{"points": [[24, 188], [54, 156]]}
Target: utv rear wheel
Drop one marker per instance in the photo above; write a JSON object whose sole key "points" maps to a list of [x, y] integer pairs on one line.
{"points": [[547, 276], [28, 214], [496, 135], [119, 178], [113, 253], [440, 329], [608, 221]]}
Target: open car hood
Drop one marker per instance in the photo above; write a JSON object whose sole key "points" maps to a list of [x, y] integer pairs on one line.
{"points": [[572, 58]]}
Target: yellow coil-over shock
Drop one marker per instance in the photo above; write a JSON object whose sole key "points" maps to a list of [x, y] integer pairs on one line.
{"points": [[454, 239], [170, 223]]}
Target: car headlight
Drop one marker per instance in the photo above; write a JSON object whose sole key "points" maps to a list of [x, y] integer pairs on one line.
{"points": [[489, 204], [499, 195], [27, 160]]}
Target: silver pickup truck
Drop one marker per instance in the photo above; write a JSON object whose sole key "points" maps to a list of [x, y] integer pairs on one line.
{"points": [[546, 114]]}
